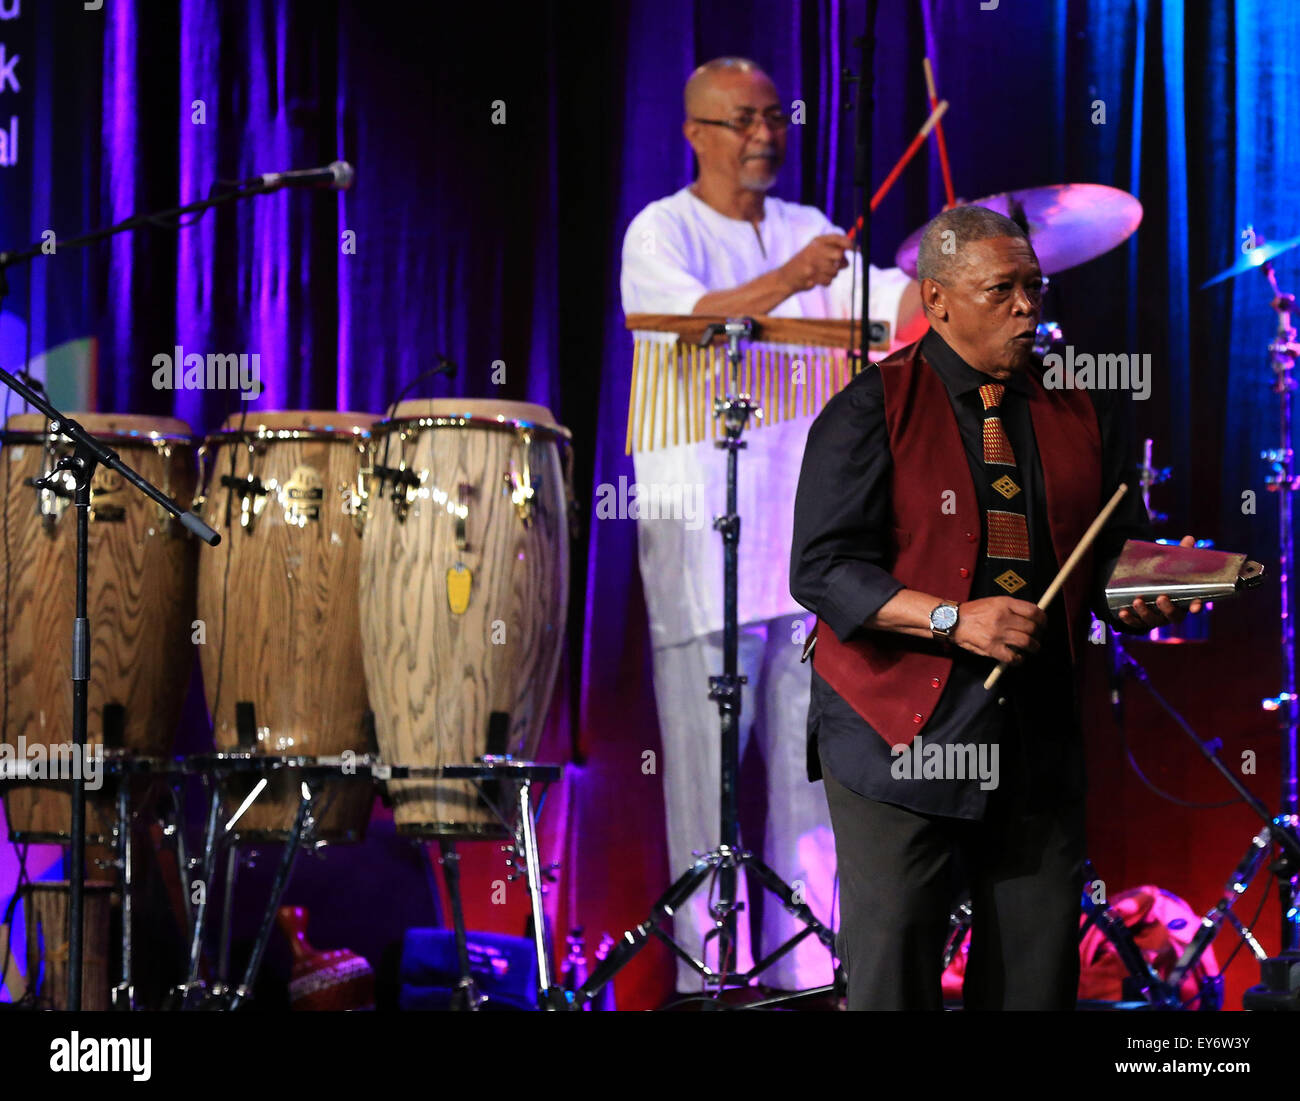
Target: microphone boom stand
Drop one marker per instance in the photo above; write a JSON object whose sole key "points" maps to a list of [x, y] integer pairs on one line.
{"points": [[88, 454]]}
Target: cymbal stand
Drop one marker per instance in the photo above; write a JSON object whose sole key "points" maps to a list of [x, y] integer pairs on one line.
{"points": [[1281, 975], [723, 862]]}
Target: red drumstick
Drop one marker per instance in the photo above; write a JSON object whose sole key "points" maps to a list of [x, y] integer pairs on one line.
{"points": [[908, 154]]}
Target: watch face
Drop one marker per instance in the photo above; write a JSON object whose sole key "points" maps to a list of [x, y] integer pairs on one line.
{"points": [[943, 618]]}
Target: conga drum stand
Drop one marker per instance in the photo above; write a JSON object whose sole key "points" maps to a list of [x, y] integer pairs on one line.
{"points": [[125, 768], [728, 858], [313, 773], [467, 997], [318, 776], [524, 861]]}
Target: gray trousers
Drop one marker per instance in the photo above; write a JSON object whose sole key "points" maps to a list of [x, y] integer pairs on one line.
{"points": [[900, 873]]}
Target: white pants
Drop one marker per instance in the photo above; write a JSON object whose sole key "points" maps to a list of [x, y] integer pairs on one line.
{"points": [[799, 845]]}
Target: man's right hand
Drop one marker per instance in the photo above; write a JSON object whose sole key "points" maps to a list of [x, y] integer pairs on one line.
{"points": [[817, 263], [1000, 627]]}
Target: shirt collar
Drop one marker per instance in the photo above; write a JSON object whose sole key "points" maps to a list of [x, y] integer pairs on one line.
{"points": [[958, 375]]}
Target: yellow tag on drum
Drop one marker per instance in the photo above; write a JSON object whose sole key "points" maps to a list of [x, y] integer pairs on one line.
{"points": [[459, 582]]}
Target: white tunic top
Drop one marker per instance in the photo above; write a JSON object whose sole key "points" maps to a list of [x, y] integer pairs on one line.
{"points": [[676, 251]]}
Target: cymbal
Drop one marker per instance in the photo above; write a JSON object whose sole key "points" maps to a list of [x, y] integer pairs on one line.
{"points": [[1253, 258], [1069, 224]]}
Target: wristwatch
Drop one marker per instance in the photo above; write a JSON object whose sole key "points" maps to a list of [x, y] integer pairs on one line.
{"points": [[943, 620]]}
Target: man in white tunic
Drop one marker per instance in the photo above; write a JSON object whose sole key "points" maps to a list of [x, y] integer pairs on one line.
{"points": [[722, 246]]}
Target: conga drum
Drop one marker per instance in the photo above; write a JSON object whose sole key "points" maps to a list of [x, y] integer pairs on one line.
{"points": [[45, 911], [140, 601], [278, 596], [464, 589]]}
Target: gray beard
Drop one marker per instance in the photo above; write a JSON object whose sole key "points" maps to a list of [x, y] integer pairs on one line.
{"points": [[752, 183]]}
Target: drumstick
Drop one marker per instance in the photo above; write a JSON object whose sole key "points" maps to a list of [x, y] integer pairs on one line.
{"points": [[908, 154], [939, 139], [1070, 563]]}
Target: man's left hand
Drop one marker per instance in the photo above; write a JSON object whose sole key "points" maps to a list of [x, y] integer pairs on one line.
{"points": [[1149, 616]]}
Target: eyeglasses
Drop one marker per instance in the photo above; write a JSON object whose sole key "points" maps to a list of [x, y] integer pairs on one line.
{"points": [[777, 122]]}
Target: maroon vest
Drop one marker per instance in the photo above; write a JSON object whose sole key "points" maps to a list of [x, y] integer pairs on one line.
{"points": [[936, 535]]}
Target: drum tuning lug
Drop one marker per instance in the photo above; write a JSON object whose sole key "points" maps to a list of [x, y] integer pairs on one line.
{"points": [[464, 492], [354, 503], [521, 496], [521, 485]]}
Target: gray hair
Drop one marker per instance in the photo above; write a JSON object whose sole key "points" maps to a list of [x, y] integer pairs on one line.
{"points": [[966, 224]]}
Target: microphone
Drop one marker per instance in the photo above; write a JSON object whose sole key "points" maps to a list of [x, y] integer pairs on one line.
{"points": [[445, 367], [338, 176]]}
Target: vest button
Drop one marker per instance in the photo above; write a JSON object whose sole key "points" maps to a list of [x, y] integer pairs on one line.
{"points": [[916, 718], [964, 572], [934, 682], [971, 537]]}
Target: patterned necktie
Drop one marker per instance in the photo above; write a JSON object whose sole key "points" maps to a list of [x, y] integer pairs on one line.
{"points": [[1008, 533]]}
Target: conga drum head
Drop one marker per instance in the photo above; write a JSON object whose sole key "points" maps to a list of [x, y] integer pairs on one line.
{"points": [[140, 603], [115, 426], [464, 589], [477, 409], [282, 668], [317, 422]]}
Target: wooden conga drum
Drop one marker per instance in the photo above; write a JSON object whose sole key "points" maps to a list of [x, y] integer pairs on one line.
{"points": [[464, 589], [45, 912], [282, 660], [140, 601]]}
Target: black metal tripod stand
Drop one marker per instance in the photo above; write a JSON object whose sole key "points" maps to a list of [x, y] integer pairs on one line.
{"points": [[728, 858], [1278, 829]]}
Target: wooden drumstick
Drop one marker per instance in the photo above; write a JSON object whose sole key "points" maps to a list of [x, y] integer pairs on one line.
{"points": [[938, 135], [1088, 537]]}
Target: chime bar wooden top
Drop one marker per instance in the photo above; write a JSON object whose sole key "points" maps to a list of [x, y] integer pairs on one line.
{"points": [[791, 367], [811, 331]]}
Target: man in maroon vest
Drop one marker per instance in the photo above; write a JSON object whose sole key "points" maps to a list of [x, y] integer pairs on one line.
{"points": [[938, 497]]}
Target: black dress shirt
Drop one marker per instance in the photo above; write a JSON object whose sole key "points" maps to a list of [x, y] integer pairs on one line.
{"points": [[838, 569]]}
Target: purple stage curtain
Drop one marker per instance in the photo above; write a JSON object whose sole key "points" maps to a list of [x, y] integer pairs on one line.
{"points": [[500, 156]]}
